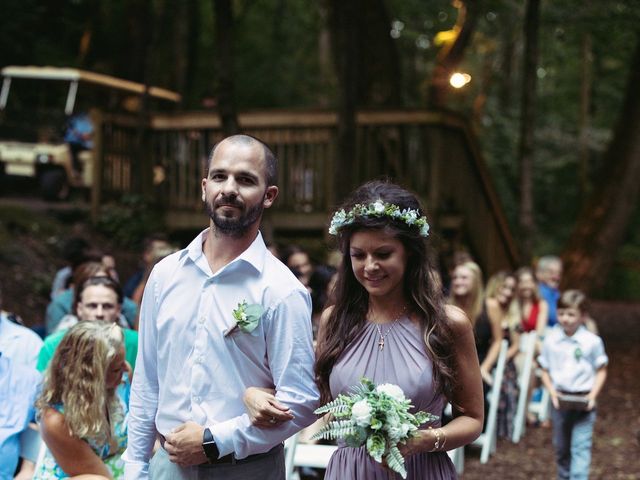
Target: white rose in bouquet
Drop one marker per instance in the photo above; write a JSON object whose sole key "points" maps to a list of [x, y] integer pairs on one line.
{"points": [[394, 391], [361, 413]]}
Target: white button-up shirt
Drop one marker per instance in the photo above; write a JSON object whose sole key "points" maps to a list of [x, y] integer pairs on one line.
{"points": [[572, 361], [19, 343], [187, 369]]}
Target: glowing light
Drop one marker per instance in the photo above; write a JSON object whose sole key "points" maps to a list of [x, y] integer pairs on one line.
{"points": [[459, 80]]}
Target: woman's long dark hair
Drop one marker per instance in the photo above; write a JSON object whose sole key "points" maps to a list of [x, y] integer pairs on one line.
{"points": [[352, 301]]}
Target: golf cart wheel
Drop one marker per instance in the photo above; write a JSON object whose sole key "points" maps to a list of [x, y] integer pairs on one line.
{"points": [[54, 185]]}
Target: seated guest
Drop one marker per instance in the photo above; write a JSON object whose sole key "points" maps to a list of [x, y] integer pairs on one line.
{"points": [[63, 303], [82, 410], [153, 244], [549, 275], [74, 252], [298, 262], [99, 300], [19, 385], [19, 343]]}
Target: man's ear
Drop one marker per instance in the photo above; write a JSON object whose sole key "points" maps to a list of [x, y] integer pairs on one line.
{"points": [[270, 196], [204, 186]]}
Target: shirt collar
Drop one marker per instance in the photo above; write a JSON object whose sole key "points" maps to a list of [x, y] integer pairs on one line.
{"points": [[576, 337], [6, 327], [253, 256]]}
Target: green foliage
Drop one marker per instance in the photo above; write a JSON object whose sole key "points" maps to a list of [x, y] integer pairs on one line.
{"points": [[128, 222]]}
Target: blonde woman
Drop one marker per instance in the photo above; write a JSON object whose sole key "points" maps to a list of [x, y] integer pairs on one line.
{"points": [[534, 317], [467, 293], [504, 320], [83, 406]]}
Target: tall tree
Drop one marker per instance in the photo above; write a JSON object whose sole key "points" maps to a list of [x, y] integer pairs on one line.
{"points": [[527, 126], [367, 66], [601, 227], [225, 85]]}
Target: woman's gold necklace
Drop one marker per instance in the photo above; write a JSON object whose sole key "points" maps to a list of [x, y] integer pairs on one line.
{"points": [[383, 336]]}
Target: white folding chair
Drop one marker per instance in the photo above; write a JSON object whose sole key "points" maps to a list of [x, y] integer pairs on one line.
{"points": [[527, 350], [487, 439], [457, 457], [457, 454], [313, 456], [290, 445]]}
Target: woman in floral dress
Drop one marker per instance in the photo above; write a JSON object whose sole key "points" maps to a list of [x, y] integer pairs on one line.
{"points": [[83, 408]]}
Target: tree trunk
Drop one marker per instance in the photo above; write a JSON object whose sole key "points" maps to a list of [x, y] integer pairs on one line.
{"points": [[345, 48], [225, 87], [601, 227], [527, 127], [451, 56], [585, 114], [367, 67]]}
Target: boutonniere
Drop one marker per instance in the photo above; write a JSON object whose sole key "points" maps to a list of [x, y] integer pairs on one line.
{"points": [[577, 354], [247, 316]]}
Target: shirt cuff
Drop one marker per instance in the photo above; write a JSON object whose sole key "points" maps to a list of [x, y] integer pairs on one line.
{"points": [[223, 436], [135, 470]]}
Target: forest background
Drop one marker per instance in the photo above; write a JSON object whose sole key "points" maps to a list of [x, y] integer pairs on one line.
{"points": [[552, 95]]}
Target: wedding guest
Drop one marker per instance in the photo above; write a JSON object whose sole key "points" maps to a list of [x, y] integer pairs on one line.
{"points": [[549, 275], [534, 311], [217, 317], [83, 415], [99, 299], [574, 363], [19, 343], [504, 321], [19, 386], [63, 303], [298, 262], [390, 324]]}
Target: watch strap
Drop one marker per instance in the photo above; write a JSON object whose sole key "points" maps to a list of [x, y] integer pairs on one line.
{"points": [[209, 446]]}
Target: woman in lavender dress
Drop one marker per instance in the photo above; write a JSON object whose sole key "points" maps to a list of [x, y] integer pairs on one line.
{"points": [[389, 324]]}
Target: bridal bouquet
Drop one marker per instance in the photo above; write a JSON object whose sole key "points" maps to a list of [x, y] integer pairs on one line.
{"points": [[377, 416]]}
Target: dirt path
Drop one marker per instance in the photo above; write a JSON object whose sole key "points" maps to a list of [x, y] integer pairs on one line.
{"points": [[616, 448]]}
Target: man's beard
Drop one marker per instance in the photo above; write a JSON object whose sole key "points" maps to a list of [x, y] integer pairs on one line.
{"points": [[234, 227]]}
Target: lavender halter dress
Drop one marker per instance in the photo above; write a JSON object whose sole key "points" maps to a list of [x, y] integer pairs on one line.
{"points": [[404, 362]]}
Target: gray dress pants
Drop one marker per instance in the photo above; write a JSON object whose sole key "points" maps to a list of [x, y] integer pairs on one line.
{"points": [[268, 466]]}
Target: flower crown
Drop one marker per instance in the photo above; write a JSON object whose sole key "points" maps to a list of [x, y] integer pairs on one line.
{"points": [[379, 209]]}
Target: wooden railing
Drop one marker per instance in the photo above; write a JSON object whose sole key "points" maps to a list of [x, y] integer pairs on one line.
{"points": [[435, 154]]}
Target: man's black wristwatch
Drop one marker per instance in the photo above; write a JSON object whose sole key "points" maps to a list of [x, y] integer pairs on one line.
{"points": [[209, 446]]}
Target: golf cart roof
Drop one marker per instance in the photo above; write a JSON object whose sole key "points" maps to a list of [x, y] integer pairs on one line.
{"points": [[74, 76]]}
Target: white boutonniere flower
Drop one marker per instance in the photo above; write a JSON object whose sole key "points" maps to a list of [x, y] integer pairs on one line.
{"points": [[247, 316]]}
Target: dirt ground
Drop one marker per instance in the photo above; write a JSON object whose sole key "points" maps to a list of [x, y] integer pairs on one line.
{"points": [[30, 254]]}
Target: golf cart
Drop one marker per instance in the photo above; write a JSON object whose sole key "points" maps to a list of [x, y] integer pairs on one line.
{"points": [[46, 138]]}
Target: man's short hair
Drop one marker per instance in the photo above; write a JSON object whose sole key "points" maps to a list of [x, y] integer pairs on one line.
{"points": [[546, 261], [270, 160]]}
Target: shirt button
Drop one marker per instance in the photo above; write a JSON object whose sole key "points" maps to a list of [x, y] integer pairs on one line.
{"points": [[201, 319], [196, 399]]}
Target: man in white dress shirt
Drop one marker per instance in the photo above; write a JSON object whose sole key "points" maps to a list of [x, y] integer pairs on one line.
{"points": [[194, 361]]}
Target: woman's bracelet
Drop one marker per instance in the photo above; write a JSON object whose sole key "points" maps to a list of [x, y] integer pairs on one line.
{"points": [[439, 433]]}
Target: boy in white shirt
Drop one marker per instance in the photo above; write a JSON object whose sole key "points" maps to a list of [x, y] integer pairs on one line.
{"points": [[574, 364]]}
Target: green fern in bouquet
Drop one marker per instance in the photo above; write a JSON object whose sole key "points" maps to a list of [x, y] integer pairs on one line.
{"points": [[376, 416]]}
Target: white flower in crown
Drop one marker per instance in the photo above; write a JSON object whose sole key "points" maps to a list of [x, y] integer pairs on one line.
{"points": [[378, 207], [410, 216]]}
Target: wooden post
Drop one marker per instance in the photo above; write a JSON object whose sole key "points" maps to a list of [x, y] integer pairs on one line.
{"points": [[98, 156]]}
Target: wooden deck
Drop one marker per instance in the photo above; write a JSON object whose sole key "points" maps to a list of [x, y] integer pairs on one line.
{"points": [[435, 154]]}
